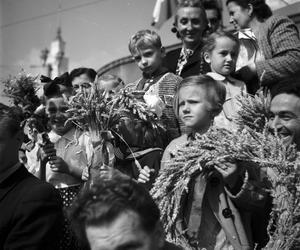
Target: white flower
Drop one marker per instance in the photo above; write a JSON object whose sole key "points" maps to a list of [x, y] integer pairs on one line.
{"points": [[155, 103]]}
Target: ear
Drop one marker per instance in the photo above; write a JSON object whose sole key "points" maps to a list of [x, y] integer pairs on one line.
{"points": [[250, 9], [163, 51], [159, 235], [206, 57]]}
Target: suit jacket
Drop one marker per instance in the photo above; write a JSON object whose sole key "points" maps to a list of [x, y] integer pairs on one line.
{"points": [[193, 65], [30, 213], [278, 38]]}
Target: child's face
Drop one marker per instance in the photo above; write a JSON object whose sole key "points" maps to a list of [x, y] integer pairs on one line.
{"points": [[81, 83], [223, 57], [56, 110], [149, 59], [194, 108]]}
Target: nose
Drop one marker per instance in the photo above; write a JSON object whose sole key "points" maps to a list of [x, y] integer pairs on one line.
{"points": [[189, 25], [143, 61], [231, 20], [275, 124], [186, 108], [229, 57]]}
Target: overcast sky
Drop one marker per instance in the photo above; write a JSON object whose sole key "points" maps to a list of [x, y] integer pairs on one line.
{"points": [[95, 32]]}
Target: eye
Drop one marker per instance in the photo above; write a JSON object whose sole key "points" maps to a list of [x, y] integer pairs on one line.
{"points": [[137, 58], [183, 21], [51, 110], [148, 54], [196, 21]]}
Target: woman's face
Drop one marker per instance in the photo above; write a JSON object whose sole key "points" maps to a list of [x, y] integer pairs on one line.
{"points": [[191, 24], [240, 17]]}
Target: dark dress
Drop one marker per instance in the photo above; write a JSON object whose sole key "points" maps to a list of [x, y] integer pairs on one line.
{"points": [[194, 66]]}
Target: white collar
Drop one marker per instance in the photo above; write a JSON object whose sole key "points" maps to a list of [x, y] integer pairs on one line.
{"points": [[54, 137], [246, 34]]}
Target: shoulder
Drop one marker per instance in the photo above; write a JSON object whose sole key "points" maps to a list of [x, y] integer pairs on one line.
{"points": [[276, 21], [172, 77], [39, 190], [177, 143]]}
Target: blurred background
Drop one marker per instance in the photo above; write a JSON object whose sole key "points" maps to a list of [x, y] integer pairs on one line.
{"points": [[85, 33]]}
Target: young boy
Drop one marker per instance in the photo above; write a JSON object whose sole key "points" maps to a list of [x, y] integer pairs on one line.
{"points": [[158, 84]]}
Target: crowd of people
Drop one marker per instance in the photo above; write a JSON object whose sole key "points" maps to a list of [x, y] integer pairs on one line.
{"points": [[45, 201]]}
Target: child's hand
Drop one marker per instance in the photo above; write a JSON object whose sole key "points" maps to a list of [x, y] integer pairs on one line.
{"points": [[85, 174], [47, 152], [57, 164], [229, 172], [144, 175]]}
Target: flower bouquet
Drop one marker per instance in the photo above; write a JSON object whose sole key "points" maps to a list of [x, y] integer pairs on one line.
{"points": [[21, 90]]}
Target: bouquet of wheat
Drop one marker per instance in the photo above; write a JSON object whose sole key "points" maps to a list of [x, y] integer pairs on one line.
{"points": [[253, 144], [100, 114]]}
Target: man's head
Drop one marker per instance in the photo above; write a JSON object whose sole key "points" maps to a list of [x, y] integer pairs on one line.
{"points": [[285, 110], [213, 14], [146, 48], [11, 136], [81, 78], [117, 213]]}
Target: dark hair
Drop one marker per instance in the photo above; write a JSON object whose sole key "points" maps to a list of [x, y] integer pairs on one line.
{"points": [[106, 199], [215, 91], [57, 87], [91, 73], [260, 9], [11, 118], [289, 85], [210, 5], [210, 41], [144, 38]]}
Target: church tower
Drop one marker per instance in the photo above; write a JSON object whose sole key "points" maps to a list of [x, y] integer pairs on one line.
{"points": [[54, 61]]}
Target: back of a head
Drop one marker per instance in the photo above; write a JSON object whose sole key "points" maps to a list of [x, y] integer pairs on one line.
{"points": [[261, 10], [91, 73], [105, 200], [215, 90], [144, 39], [290, 85], [10, 119], [111, 78]]}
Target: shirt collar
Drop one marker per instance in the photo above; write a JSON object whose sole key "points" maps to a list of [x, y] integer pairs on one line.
{"points": [[246, 34], [9, 172], [218, 77], [54, 137]]}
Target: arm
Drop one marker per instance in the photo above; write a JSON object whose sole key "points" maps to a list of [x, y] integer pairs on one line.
{"points": [[284, 58], [252, 192], [37, 221]]}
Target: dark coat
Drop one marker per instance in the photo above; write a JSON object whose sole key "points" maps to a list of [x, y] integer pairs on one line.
{"points": [[30, 213], [193, 66]]}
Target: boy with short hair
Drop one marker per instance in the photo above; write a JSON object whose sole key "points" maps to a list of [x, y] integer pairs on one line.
{"points": [[159, 85]]}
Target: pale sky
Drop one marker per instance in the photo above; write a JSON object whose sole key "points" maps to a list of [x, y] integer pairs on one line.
{"points": [[95, 32]]}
